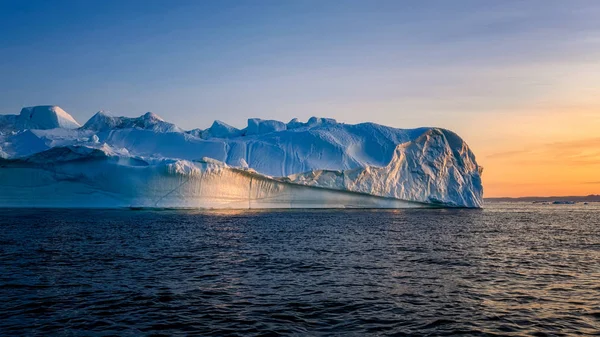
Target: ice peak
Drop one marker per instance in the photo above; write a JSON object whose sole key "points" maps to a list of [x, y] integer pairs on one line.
{"points": [[102, 113], [152, 116], [48, 117], [218, 123], [101, 121], [221, 129], [257, 126], [313, 121]]}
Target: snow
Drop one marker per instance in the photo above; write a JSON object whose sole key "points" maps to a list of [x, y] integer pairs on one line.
{"points": [[219, 130], [48, 117], [257, 126], [102, 121], [148, 162], [38, 117]]}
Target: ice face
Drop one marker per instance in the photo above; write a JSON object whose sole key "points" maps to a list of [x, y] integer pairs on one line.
{"points": [[320, 162]]}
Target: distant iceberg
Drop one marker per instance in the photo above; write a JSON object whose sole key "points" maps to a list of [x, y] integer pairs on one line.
{"points": [[47, 159]]}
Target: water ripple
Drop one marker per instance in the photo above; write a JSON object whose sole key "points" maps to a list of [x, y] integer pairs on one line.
{"points": [[507, 270]]}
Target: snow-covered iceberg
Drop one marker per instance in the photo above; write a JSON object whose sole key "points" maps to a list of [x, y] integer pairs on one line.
{"points": [[48, 160]]}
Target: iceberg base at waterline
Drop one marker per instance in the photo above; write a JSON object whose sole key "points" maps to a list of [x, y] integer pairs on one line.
{"points": [[118, 182]]}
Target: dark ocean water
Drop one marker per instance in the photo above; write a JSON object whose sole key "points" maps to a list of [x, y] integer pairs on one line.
{"points": [[509, 269]]}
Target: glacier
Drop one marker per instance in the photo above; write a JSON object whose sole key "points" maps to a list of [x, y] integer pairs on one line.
{"points": [[47, 159]]}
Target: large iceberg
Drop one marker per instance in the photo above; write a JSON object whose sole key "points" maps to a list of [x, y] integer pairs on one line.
{"points": [[47, 159]]}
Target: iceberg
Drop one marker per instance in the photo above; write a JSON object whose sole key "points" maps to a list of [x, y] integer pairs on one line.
{"points": [[47, 159]]}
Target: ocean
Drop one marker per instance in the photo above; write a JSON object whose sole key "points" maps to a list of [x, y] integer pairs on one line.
{"points": [[510, 269]]}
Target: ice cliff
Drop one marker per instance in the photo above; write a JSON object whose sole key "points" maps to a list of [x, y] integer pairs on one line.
{"points": [[48, 160]]}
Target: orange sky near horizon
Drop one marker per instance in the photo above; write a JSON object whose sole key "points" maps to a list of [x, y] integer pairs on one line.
{"points": [[548, 143], [551, 153]]}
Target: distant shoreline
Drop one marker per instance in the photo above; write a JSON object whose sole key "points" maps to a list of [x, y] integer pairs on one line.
{"points": [[589, 198]]}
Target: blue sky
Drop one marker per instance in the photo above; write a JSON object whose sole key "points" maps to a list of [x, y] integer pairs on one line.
{"points": [[195, 61]]}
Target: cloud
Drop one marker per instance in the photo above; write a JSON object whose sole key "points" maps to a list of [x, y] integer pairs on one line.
{"points": [[577, 144], [506, 154], [577, 152]]}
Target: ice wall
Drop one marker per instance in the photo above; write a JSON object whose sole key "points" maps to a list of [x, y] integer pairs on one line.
{"points": [[99, 181]]}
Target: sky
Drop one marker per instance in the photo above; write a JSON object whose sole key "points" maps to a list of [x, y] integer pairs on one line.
{"points": [[518, 80]]}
